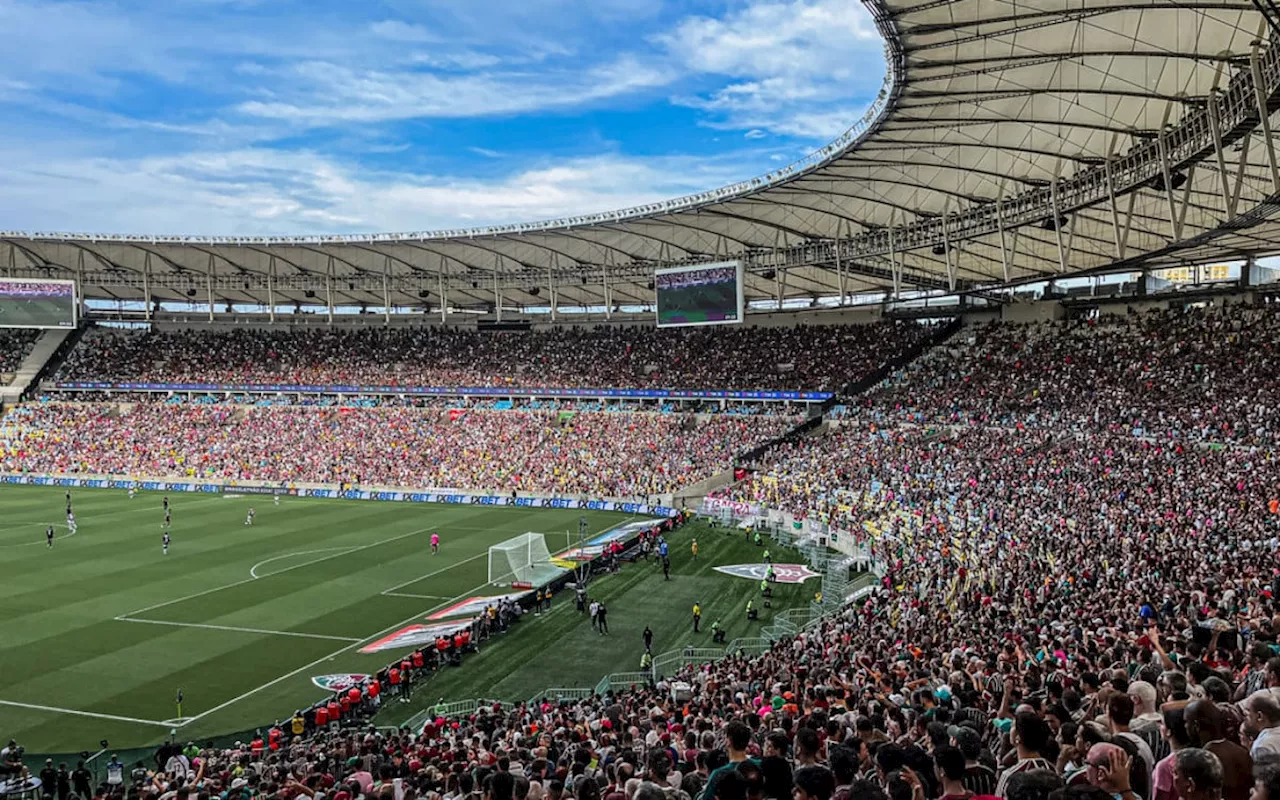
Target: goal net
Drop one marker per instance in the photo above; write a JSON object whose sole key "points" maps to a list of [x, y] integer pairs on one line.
{"points": [[522, 559]]}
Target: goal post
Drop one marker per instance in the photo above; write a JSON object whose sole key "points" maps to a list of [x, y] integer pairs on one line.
{"points": [[521, 559]]}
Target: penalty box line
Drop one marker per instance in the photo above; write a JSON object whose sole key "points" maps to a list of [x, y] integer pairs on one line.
{"points": [[374, 637], [91, 714]]}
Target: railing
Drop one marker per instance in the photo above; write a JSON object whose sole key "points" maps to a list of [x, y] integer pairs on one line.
{"points": [[560, 694], [785, 624]]}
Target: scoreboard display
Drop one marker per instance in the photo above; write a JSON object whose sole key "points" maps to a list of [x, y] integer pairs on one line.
{"points": [[37, 303], [706, 294]]}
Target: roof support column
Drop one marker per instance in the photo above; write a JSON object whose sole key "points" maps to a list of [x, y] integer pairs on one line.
{"points": [[13, 259], [608, 295], [497, 290], [1261, 98], [1116, 241], [208, 279], [1241, 167], [1004, 250], [946, 253], [895, 271], [328, 288], [840, 262], [444, 298], [80, 279], [552, 268], [386, 289], [271, 288], [1174, 233], [1215, 127], [146, 284], [1057, 225]]}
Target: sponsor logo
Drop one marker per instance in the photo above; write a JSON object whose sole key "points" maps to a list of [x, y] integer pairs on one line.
{"points": [[474, 605], [339, 683], [624, 531], [714, 505], [786, 573], [416, 636]]}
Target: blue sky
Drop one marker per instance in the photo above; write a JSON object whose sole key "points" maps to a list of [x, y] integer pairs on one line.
{"points": [[274, 116]]}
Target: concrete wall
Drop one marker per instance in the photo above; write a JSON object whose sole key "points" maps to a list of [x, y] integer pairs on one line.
{"points": [[1042, 311]]}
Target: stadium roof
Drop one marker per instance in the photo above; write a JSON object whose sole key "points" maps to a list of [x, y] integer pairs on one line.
{"points": [[1011, 142]]}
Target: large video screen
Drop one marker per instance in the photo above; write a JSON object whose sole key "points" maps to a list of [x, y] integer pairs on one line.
{"points": [[35, 303], [708, 294]]}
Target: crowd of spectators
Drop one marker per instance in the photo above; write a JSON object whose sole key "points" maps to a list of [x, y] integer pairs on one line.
{"points": [[634, 456], [15, 344], [1204, 373], [1064, 610], [1060, 618], [803, 358]]}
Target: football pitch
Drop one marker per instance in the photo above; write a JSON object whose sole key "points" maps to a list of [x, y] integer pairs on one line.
{"points": [[99, 633]]}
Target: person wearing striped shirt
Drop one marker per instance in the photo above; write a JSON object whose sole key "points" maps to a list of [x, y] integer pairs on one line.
{"points": [[1029, 735]]}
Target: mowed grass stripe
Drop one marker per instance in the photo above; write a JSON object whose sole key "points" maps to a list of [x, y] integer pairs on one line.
{"points": [[562, 650], [61, 647]]}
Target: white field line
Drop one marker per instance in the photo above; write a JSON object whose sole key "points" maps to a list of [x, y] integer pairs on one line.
{"points": [[238, 629], [411, 581], [60, 537], [352, 646], [277, 572], [417, 596], [92, 714], [253, 571]]}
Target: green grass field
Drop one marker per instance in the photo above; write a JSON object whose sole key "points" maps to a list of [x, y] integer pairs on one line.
{"points": [[99, 633]]}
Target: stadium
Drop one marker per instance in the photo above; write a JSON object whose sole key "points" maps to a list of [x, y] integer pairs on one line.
{"points": [[939, 463]]}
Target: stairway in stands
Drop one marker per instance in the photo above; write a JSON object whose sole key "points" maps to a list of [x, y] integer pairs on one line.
{"points": [[45, 357]]}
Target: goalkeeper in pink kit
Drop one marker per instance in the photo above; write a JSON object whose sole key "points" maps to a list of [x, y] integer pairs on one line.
{"points": [[435, 543]]}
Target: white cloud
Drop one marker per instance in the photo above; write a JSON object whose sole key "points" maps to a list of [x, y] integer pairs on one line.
{"points": [[798, 66], [263, 191], [755, 133], [324, 93]]}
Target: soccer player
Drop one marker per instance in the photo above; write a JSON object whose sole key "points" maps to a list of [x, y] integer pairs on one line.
{"points": [[275, 498], [164, 543], [71, 521], [249, 519], [166, 502], [132, 492], [68, 501], [694, 548], [48, 536], [435, 543], [167, 518]]}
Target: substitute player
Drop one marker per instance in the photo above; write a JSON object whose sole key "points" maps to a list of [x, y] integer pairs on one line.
{"points": [[435, 543], [164, 543], [249, 519]]}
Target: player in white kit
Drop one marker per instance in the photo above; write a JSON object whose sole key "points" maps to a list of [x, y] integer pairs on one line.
{"points": [[164, 546], [71, 521], [249, 519]]}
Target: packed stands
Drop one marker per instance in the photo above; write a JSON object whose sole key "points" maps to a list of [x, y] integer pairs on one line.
{"points": [[15, 344], [1065, 610], [600, 454], [1196, 374], [813, 358]]}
